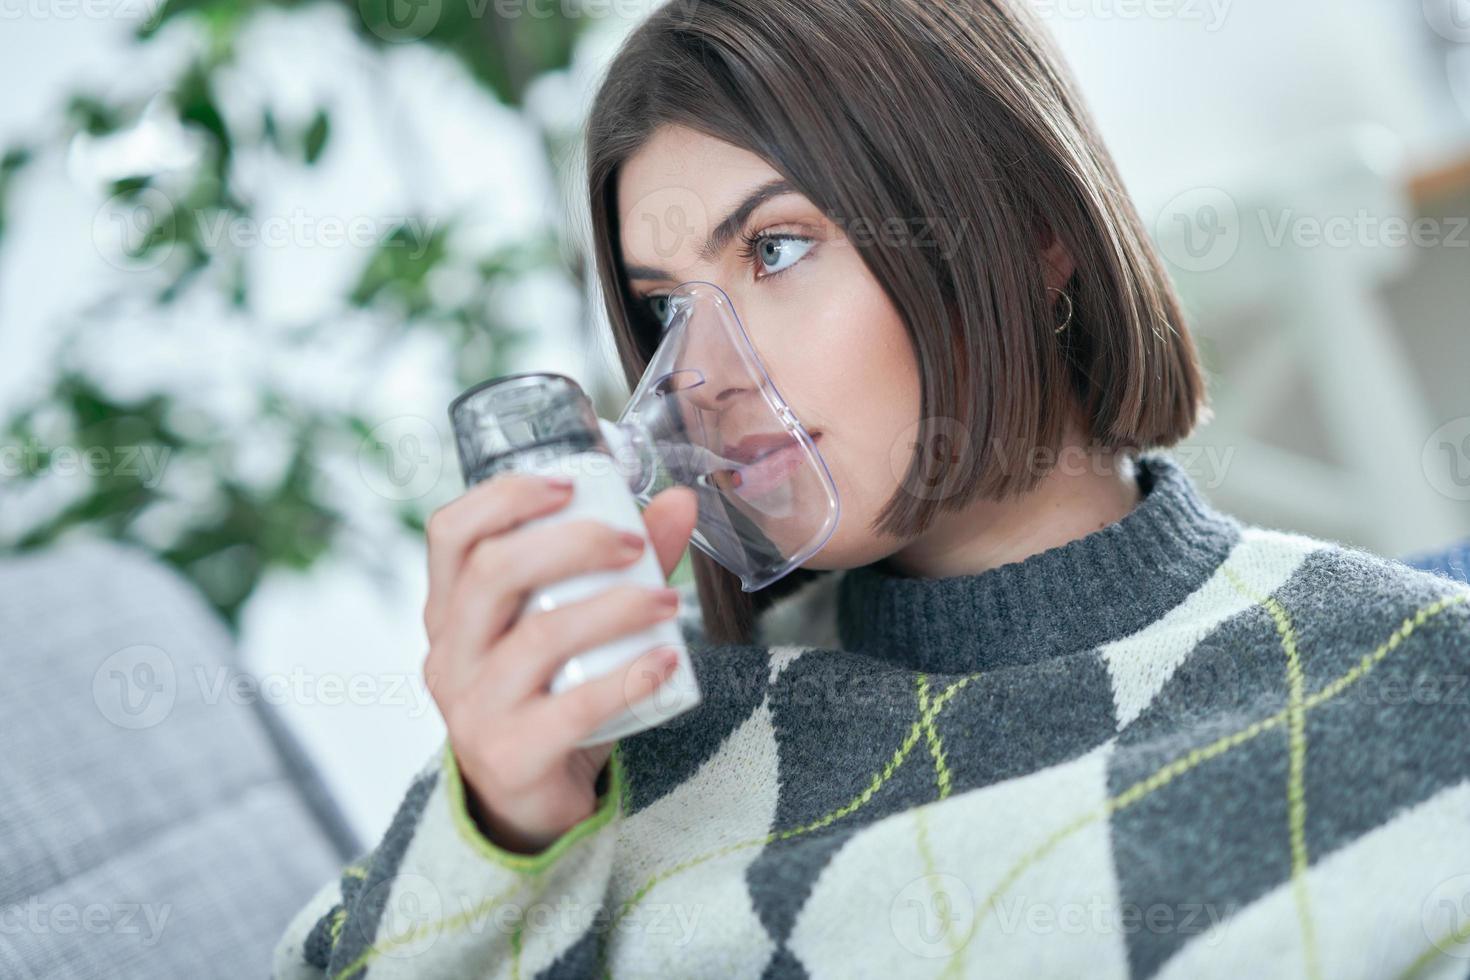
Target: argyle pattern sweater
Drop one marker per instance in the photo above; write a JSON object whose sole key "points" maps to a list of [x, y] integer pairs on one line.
{"points": [[1180, 746]]}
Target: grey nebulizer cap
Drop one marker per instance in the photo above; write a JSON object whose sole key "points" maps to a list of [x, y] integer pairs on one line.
{"points": [[498, 421]]}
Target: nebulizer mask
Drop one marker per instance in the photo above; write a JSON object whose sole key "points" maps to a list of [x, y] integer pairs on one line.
{"points": [[704, 415]]}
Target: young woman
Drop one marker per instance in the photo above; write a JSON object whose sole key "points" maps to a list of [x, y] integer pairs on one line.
{"points": [[1036, 708]]}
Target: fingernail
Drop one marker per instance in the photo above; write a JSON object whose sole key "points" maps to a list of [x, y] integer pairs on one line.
{"points": [[666, 597], [668, 659], [632, 543], [559, 482]]}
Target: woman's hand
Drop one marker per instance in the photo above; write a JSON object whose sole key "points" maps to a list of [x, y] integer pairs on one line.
{"points": [[488, 667]]}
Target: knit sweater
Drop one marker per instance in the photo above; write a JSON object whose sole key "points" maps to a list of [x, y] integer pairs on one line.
{"points": [[1180, 746]]}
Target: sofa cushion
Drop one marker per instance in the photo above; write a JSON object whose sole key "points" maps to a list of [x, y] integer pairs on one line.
{"points": [[155, 821]]}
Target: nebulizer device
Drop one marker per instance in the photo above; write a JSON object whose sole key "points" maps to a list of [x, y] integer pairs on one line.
{"points": [[704, 415]]}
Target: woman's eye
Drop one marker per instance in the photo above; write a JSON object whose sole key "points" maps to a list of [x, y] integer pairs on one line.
{"points": [[777, 253], [659, 307]]}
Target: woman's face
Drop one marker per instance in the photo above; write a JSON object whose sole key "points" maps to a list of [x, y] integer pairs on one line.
{"points": [[834, 346]]}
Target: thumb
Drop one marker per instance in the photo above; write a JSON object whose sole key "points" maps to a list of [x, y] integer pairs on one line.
{"points": [[670, 518]]}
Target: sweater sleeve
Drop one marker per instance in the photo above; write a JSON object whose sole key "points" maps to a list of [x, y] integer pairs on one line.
{"points": [[435, 898]]}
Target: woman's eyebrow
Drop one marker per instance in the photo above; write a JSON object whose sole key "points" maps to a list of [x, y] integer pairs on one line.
{"points": [[725, 230]]}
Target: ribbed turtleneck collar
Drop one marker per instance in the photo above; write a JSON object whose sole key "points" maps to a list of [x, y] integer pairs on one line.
{"points": [[1095, 589]]}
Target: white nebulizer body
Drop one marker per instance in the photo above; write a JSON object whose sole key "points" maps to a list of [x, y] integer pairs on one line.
{"points": [[705, 415], [600, 492]]}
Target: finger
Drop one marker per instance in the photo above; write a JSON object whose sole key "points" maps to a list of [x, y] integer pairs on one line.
{"points": [[670, 518], [501, 572], [526, 659], [490, 507], [570, 716]]}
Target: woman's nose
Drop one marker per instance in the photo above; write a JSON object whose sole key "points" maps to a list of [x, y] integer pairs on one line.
{"points": [[711, 357], [710, 391]]}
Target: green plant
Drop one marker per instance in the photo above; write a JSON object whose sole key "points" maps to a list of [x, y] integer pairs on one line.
{"points": [[238, 526]]}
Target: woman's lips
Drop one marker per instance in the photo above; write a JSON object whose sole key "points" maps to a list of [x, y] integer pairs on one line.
{"points": [[770, 471]]}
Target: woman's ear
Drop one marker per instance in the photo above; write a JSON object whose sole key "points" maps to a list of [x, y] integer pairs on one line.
{"points": [[1056, 258]]}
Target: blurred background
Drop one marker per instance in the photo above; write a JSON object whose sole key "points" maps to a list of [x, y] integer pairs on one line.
{"points": [[249, 251]]}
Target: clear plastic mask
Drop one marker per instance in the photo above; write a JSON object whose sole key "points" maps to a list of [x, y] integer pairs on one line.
{"points": [[707, 416]]}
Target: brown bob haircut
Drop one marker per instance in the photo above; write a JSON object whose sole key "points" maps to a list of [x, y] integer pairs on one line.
{"points": [[883, 109]]}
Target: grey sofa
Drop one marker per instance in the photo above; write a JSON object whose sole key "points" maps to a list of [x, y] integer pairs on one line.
{"points": [[151, 825]]}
